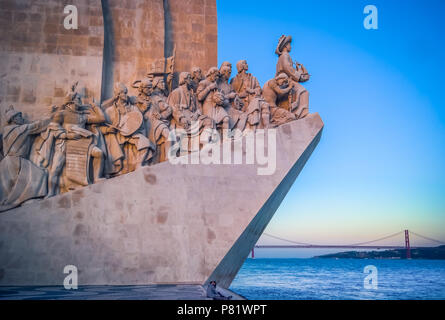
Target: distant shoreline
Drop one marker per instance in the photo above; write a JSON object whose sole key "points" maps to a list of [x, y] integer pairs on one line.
{"points": [[427, 253]]}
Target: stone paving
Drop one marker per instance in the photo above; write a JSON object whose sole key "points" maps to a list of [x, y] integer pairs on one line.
{"points": [[148, 292]]}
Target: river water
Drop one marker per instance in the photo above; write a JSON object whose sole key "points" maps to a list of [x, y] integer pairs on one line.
{"points": [[289, 279]]}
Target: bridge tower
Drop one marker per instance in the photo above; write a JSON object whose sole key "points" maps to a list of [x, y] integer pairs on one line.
{"points": [[407, 246]]}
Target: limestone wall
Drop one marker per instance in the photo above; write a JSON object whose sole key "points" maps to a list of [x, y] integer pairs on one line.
{"points": [[184, 223], [40, 59], [194, 31]]}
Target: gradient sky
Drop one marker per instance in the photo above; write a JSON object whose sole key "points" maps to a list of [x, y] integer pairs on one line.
{"points": [[379, 167]]}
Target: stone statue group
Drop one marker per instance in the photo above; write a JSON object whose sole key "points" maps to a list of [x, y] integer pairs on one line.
{"points": [[83, 143]]}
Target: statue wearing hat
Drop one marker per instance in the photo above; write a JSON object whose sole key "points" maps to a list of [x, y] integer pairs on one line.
{"points": [[298, 102], [21, 180]]}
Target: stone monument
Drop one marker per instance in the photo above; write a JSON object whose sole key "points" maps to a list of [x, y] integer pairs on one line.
{"points": [[142, 189]]}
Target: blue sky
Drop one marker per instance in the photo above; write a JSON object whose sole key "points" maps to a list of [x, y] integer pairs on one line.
{"points": [[379, 167]]}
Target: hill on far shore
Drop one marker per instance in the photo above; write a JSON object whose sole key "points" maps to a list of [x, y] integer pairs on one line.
{"points": [[434, 253]]}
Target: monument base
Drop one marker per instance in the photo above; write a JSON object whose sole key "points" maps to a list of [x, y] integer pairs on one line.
{"points": [[166, 224]]}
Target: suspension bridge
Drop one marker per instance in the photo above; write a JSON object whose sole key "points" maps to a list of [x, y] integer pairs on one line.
{"points": [[361, 245]]}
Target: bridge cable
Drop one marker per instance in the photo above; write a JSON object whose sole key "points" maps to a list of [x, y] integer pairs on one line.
{"points": [[282, 239], [383, 238], [355, 244], [426, 238]]}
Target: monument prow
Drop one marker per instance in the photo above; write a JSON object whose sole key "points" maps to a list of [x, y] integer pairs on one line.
{"points": [[182, 224]]}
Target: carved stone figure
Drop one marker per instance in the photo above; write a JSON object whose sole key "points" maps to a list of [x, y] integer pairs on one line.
{"points": [[52, 150], [258, 111], [159, 115], [225, 72], [86, 153], [145, 89], [218, 102], [186, 114], [275, 90], [127, 144], [233, 104], [226, 64], [21, 180], [197, 77], [143, 100], [206, 89], [81, 143], [160, 86], [244, 83], [298, 102]]}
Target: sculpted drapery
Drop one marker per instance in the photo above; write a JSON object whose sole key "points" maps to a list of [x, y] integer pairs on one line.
{"points": [[84, 143], [20, 179], [297, 100]]}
